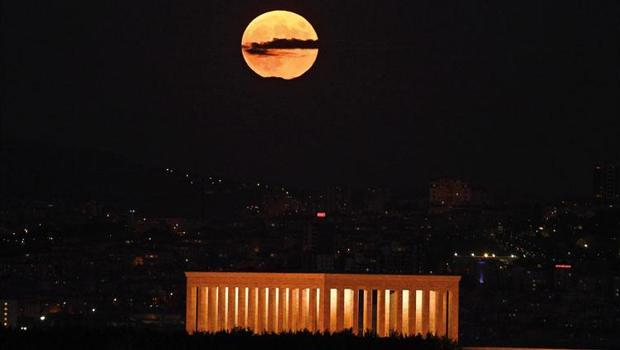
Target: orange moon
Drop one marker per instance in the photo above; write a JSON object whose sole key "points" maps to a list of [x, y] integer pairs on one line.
{"points": [[279, 44]]}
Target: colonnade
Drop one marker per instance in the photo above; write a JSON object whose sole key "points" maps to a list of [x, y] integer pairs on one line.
{"points": [[282, 302]]}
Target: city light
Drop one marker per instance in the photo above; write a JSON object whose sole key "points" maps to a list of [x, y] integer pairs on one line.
{"points": [[321, 214], [563, 266], [42, 318]]}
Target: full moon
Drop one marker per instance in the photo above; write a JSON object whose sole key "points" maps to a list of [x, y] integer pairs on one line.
{"points": [[279, 44]]}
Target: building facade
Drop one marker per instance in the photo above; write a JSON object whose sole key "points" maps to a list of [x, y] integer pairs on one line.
{"points": [[282, 302], [606, 183]]}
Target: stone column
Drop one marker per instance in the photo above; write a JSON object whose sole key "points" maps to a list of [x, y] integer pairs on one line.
{"points": [[440, 312], [398, 301], [340, 310], [221, 308], [453, 313], [367, 310], [356, 309], [281, 309], [291, 324], [381, 312], [241, 320], [260, 310], [412, 312], [294, 309], [272, 312], [190, 309], [312, 309], [425, 311], [251, 322], [230, 312], [303, 311], [210, 309], [201, 318], [324, 308]]}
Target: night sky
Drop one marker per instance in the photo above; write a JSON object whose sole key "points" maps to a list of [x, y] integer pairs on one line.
{"points": [[519, 96]]}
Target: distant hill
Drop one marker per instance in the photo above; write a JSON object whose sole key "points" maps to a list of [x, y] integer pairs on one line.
{"points": [[32, 171]]}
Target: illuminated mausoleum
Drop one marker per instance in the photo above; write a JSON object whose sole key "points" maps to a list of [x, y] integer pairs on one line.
{"points": [[282, 302]]}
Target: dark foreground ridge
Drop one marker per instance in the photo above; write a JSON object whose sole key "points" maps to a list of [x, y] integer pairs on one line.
{"points": [[129, 339]]}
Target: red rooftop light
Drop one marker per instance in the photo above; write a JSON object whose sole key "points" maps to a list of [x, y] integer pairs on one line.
{"points": [[563, 266], [321, 214]]}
